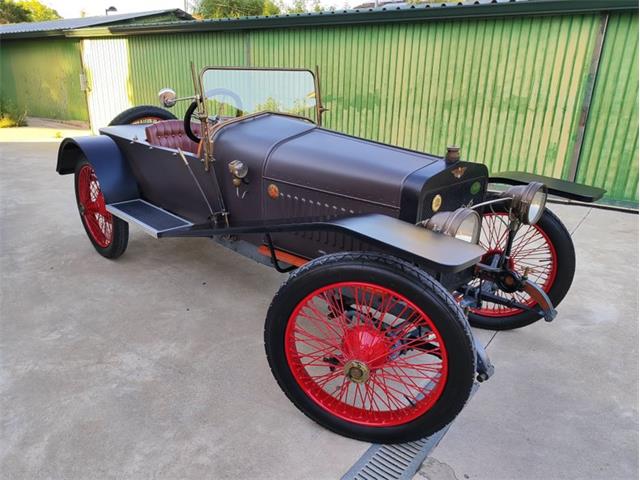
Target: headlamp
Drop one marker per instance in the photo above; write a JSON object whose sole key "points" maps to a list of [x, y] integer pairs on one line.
{"points": [[528, 201], [463, 224]]}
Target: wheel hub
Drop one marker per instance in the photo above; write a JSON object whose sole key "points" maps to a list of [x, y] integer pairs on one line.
{"points": [[357, 371], [366, 349]]}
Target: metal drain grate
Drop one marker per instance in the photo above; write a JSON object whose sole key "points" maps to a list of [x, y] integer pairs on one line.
{"points": [[396, 462]]}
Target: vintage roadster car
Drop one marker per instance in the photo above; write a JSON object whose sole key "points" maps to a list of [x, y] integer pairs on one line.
{"points": [[392, 252]]}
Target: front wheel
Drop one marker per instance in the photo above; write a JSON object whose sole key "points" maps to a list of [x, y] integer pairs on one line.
{"points": [[545, 250], [370, 347]]}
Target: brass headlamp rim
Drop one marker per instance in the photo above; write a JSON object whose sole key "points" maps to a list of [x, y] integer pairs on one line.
{"points": [[522, 197]]}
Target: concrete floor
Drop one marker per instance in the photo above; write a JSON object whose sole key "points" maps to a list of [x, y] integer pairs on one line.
{"points": [[153, 366]]}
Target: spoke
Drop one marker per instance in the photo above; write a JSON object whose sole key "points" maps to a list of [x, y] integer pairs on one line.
{"points": [[322, 324], [311, 336]]}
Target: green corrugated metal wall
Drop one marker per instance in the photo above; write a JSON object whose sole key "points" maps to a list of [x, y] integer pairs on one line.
{"points": [[157, 61], [609, 156], [43, 76], [508, 90]]}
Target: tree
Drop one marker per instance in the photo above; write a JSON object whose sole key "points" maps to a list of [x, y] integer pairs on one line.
{"points": [[302, 6], [235, 8], [25, 11], [39, 12], [12, 13]]}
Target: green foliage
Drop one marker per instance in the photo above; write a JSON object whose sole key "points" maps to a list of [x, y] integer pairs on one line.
{"points": [[25, 11], [302, 6], [39, 12], [243, 8], [235, 8], [11, 115], [270, 8], [11, 12]]}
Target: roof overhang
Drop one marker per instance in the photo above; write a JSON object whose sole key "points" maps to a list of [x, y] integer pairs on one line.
{"points": [[101, 24]]}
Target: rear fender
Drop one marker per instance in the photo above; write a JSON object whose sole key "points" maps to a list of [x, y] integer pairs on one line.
{"points": [[561, 188], [112, 169]]}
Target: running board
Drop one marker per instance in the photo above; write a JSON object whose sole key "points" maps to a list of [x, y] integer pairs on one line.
{"points": [[153, 220]]}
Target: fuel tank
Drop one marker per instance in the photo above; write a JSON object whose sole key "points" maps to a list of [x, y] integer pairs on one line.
{"points": [[297, 169]]}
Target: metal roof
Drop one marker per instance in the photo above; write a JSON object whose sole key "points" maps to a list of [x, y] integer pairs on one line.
{"points": [[53, 27], [392, 13]]}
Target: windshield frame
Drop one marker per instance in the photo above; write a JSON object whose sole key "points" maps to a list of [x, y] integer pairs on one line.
{"points": [[316, 85]]}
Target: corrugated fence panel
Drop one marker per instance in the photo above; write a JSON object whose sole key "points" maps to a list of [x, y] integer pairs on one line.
{"points": [[157, 61], [44, 78], [507, 90], [609, 157]]}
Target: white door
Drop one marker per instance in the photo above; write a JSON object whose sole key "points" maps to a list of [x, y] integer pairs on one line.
{"points": [[106, 65]]}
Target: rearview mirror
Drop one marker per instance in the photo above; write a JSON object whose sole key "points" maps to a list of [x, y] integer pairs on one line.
{"points": [[167, 97]]}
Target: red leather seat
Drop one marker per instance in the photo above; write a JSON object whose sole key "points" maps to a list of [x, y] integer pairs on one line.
{"points": [[171, 134]]}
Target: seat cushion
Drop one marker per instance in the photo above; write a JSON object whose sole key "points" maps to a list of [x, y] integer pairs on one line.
{"points": [[171, 134]]}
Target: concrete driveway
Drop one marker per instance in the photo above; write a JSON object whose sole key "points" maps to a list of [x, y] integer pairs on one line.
{"points": [[152, 366]]}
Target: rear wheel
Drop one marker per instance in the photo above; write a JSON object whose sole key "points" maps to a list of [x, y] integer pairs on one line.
{"points": [[370, 347], [143, 114], [544, 249], [108, 234]]}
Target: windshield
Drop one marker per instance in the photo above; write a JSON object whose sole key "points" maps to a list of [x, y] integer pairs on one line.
{"points": [[236, 92]]}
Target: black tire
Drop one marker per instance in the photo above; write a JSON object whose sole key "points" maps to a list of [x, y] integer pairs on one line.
{"points": [[119, 237], [412, 283], [565, 256], [142, 112]]}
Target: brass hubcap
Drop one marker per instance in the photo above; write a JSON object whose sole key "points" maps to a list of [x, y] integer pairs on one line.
{"points": [[356, 371]]}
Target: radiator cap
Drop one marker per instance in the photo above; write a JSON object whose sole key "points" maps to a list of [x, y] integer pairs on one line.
{"points": [[453, 154]]}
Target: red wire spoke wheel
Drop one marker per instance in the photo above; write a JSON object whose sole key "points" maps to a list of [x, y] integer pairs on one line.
{"points": [[360, 361], [109, 235], [532, 252], [544, 251], [370, 347], [93, 209]]}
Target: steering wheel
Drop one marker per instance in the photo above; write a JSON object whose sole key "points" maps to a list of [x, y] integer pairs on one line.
{"points": [[188, 115]]}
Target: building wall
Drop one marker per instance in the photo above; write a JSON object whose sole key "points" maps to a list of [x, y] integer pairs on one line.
{"points": [[509, 90], [609, 157], [43, 77]]}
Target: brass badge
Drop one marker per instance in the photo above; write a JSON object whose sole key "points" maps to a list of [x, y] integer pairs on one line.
{"points": [[458, 172], [436, 203], [273, 191]]}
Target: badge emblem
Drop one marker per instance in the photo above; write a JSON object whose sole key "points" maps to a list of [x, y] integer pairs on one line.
{"points": [[436, 203], [458, 172], [273, 191]]}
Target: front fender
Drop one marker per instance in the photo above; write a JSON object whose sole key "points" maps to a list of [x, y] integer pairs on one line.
{"points": [[392, 235], [112, 169], [555, 186]]}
